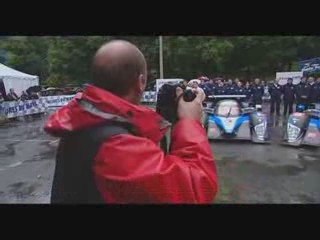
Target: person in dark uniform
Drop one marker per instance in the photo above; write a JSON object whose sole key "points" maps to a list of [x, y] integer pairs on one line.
{"points": [[203, 81], [230, 88], [275, 91], [247, 91], [314, 90], [211, 87], [239, 88], [302, 92], [206, 87], [318, 90], [288, 97], [257, 92], [220, 89]]}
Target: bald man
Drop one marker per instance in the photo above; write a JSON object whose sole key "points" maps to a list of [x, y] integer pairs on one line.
{"points": [[109, 149]]}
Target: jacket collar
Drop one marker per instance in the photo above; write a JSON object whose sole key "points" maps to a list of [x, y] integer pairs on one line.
{"points": [[145, 120]]}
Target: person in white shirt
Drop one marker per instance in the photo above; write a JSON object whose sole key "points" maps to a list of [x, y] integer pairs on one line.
{"points": [[199, 89], [194, 84]]}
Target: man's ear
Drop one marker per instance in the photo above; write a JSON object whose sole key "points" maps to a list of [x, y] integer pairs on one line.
{"points": [[142, 82]]}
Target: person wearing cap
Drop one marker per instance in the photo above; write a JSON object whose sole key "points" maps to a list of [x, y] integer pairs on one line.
{"points": [[288, 97]]}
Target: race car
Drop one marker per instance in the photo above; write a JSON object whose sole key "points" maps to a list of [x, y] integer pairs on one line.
{"points": [[303, 126], [227, 118]]}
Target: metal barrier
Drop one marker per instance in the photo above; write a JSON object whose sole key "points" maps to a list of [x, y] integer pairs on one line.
{"points": [[14, 109], [149, 97]]}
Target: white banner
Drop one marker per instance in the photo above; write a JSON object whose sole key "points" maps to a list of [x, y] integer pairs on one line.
{"points": [[22, 108], [149, 97], [283, 77], [58, 101]]}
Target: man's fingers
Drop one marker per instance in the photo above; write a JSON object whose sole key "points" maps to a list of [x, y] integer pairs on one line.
{"points": [[179, 92], [200, 96]]}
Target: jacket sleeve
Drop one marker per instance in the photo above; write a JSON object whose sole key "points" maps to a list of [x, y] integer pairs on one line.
{"points": [[131, 169]]}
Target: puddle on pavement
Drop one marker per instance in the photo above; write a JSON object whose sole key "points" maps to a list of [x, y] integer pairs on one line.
{"points": [[22, 190]]}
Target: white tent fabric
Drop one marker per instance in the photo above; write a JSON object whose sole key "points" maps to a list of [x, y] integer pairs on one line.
{"points": [[17, 80]]}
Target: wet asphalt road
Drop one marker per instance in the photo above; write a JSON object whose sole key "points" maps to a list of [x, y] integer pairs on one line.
{"points": [[27, 160], [248, 173]]}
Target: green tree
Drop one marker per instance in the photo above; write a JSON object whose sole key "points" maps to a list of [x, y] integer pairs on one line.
{"points": [[63, 60], [27, 54]]}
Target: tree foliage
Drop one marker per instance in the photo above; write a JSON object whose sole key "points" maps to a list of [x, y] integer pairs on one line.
{"points": [[63, 60]]}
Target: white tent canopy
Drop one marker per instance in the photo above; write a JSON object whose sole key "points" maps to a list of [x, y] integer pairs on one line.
{"points": [[19, 81]]}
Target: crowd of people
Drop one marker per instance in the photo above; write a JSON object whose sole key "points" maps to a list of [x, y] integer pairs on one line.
{"points": [[13, 96], [219, 86], [306, 92], [30, 94]]}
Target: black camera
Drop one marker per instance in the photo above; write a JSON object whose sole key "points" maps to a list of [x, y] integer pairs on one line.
{"points": [[167, 100]]}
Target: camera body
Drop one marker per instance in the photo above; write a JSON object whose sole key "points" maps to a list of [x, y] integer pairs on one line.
{"points": [[167, 100]]}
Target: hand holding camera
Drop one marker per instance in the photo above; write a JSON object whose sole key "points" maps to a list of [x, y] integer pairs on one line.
{"points": [[190, 103], [175, 102]]}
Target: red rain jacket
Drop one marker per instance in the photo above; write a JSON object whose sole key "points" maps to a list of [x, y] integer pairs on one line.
{"points": [[133, 168]]}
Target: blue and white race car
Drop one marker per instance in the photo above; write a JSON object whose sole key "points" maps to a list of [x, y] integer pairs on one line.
{"points": [[303, 127], [227, 118]]}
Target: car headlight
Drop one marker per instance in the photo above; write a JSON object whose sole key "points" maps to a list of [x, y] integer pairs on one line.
{"points": [[260, 130], [293, 132]]}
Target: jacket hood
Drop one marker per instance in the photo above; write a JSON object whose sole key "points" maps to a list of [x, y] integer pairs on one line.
{"points": [[95, 106]]}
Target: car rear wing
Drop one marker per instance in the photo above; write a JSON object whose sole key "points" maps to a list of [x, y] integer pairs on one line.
{"points": [[213, 98], [226, 96]]}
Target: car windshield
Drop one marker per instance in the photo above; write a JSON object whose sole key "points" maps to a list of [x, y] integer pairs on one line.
{"points": [[228, 108]]}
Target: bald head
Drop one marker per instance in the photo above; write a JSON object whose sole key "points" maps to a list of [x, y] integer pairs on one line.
{"points": [[118, 66]]}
